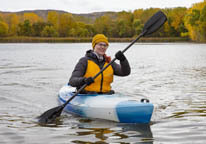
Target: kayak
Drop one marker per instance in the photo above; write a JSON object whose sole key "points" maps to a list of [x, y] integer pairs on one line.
{"points": [[115, 107]]}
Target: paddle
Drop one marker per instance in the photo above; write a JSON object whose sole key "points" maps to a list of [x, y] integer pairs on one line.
{"points": [[152, 25]]}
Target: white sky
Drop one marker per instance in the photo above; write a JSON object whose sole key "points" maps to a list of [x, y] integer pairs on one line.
{"points": [[87, 6]]}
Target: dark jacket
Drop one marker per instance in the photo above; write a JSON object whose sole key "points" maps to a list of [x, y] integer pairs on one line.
{"points": [[77, 79]]}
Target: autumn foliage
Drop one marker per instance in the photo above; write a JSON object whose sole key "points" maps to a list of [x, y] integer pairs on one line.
{"points": [[182, 22]]}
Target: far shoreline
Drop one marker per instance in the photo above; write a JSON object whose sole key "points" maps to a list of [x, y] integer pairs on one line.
{"points": [[81, 40]]}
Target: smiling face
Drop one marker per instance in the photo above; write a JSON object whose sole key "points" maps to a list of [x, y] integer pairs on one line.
{"points": [[100, 48]]}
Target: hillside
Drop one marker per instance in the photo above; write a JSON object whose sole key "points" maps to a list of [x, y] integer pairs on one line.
{"points": [[87, 18]]}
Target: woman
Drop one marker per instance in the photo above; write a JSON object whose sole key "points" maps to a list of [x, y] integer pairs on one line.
{"points": [[94, 60]]}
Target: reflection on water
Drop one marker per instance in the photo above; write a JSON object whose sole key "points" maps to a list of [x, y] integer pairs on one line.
{"points": [[129, 133], [102, 131], [171, 76]]}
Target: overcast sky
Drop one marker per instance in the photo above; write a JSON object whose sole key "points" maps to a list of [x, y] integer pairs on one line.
{"points": [[87, 6]]}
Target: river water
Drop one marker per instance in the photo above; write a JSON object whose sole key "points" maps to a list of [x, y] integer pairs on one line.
{"points": [[171, 75]]}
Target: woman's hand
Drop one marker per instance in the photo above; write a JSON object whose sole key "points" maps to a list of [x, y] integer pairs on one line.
{"points": [[88, 80], [120, 56]]}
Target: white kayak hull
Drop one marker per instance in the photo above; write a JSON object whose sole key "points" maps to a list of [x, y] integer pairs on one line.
{"points": [[113, 107]]}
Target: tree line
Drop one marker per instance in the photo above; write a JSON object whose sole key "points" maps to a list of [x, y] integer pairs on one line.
{"points": [[182, 22]]}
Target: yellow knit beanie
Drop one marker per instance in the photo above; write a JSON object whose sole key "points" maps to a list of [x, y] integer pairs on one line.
{"points": [[99, 38]]}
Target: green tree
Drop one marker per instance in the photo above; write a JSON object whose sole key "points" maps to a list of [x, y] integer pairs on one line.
{"points": [[25, 29], [90, 29], [38, 27], [176, 20], [73, 32], [49, 31], [81, 30], [194, 17], [3, 29], [137, 26], [202, 25], [114, 29], [203, 14], [103, 25], [195, 22], [122, 28], [125, 24]]}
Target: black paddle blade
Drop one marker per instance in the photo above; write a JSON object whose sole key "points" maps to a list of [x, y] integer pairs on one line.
{"points": [[50, 115], [154, 23]]}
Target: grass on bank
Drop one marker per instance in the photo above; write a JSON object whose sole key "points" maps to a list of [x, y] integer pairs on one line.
{"points": [[76, 40]]}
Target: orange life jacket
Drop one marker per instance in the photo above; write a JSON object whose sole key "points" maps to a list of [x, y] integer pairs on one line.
{"points": [[103, 82]]}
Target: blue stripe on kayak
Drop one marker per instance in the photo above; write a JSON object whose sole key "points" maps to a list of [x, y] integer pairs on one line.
{"points": [[134, 112]]}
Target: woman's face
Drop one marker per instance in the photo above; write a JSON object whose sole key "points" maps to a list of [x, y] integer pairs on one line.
{"points": [[100, 48]]}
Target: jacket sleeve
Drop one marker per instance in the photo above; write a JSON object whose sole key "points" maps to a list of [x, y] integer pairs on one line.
{"points": [[77, 79], [122, 69]]}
